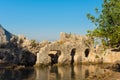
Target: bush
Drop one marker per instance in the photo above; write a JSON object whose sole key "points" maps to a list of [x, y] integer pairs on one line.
{"points": [[33, 43]]}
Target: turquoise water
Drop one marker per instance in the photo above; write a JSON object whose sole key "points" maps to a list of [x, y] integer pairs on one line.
{"points": [[51, 73]]}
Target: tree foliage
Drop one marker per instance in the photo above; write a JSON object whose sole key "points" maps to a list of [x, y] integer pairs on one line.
{"points": [[108, 23]]}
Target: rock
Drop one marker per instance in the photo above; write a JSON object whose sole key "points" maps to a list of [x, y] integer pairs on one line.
{"points": [[42, 57], [4, 36], [5, 56], [14, 50], [30, 45], [115, 66], [21, 39], [20, 57], [27, 58], [111, 56]]}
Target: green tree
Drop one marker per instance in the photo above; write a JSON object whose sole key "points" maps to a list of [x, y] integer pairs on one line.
{"points": [[108, 23]]}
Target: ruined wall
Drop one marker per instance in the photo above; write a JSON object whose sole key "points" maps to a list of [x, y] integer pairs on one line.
{"points": [[73, 50], [111, 56]]}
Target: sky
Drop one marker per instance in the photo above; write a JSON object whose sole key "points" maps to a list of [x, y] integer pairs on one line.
{"points": [[45, 19]]}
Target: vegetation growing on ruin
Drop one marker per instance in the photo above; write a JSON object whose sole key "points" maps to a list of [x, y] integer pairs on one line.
{"points": [[33, 43]]}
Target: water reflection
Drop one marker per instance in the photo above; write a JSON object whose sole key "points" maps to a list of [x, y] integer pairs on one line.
{"points": [[68, 72], [72, 72], [8, 74], [51, 73], [86, 73]]}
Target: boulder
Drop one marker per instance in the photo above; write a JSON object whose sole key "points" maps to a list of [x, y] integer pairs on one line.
{"points": [[26, 58], [19, 57]]}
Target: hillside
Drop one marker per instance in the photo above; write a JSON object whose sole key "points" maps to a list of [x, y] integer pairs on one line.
{"points": [[4, 35]]}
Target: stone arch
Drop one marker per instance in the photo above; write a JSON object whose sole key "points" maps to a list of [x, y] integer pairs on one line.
{"points": [[54, 55], [73, 51], [87, 52]]}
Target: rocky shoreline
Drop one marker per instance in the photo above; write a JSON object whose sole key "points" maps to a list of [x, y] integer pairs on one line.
{"points": [[70, 49]]}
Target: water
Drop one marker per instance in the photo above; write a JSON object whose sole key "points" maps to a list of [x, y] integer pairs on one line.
{"points": [[51, 73]]}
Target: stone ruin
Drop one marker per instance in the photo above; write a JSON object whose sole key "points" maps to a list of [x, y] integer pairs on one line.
{"points": [[75, 49], [70, 49]]}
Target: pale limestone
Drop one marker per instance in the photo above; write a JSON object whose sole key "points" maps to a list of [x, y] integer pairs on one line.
{"points": [[66, 43]]}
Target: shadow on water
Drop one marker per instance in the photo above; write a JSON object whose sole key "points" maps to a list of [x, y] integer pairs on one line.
{"points": [[78, 72], [72, 72], [22, 74], [86, 73]]}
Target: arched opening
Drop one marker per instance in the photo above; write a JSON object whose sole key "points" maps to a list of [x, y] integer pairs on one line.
{"points": [[54, 54], [73, 51], [87, 52]]}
